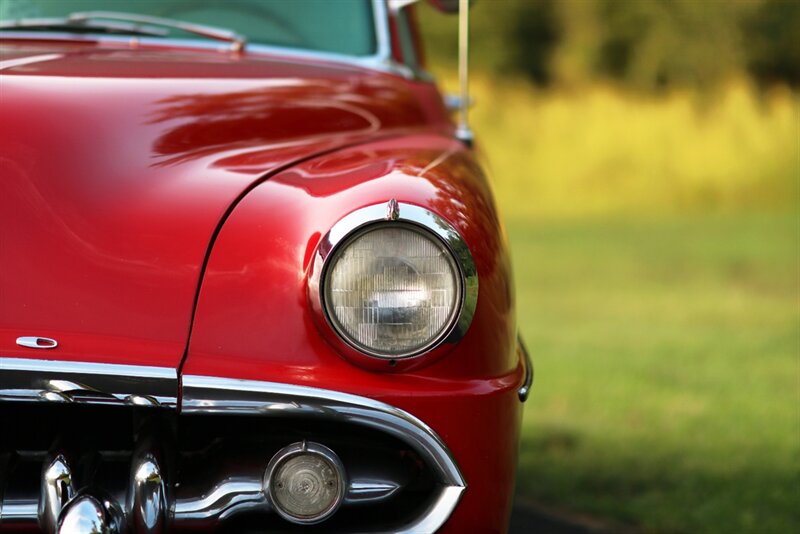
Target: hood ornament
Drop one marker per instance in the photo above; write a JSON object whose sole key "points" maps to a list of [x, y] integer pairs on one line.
{"points": [[35, 342]]}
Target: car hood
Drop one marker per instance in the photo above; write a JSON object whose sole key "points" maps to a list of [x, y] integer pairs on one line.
{"points": [[118, 165]]}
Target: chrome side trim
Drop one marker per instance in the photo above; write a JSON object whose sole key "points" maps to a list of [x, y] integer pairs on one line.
{"points": [[368, 491], [231, 496], [203, 395], [525, 388], [33, 380], [88, 368], [400, 212]]}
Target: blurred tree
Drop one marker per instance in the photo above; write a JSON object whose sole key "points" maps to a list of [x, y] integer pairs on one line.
{"points": [[773, 42], [507, 37], [644, 44], [535, 32], [656, 44]]}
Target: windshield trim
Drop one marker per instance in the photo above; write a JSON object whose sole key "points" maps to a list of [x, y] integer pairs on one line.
{"points": [[381, 60]]}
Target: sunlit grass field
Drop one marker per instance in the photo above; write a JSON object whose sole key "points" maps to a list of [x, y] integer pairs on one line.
{"points": [[667, 369], [655, 243]]}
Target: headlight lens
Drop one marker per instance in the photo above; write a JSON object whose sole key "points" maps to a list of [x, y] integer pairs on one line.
{"points": [[392, 290]]}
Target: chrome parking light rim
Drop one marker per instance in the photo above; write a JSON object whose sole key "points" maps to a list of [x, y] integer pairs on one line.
{"points": [[214, 395], [291, 451]]}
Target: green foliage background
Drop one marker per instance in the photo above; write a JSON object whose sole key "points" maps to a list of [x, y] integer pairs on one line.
{"points": [[649, 45], [614, 106], [646, 156]]}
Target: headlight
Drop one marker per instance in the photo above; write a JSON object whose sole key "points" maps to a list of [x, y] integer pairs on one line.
{"points": [[392, 289]]}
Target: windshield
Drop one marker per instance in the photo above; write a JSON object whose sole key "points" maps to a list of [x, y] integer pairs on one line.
{"points": [[339, 26]]}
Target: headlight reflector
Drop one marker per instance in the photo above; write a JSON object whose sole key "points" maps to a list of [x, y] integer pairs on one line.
{"points": [[392, 290]]}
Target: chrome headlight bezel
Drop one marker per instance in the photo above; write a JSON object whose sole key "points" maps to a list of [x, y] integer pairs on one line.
{"points": [[341, 330], [413, 217]]}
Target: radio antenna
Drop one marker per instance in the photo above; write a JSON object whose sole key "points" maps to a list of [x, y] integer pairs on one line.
{"points": [[463, 131]]}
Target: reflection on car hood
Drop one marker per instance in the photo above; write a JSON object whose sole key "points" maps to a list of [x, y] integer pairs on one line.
{"points": [[117, 165]]}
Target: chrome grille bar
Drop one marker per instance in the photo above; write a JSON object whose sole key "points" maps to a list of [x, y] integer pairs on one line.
{"points": [[34, 380], [152, 501], [204, 395]]}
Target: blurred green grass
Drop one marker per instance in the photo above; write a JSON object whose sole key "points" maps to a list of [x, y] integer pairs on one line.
{"points": [[667, 355], [656, 248]]}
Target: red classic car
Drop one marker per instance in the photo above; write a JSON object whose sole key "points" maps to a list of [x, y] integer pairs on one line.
{"points": [[251, 279]]}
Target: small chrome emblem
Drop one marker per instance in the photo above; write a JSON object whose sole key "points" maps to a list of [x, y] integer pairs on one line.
{"points": [[392, 210], [34, 342]]}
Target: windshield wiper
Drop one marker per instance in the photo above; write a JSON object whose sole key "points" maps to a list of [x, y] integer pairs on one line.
{"points": [[67, 25], [237, 41], [126, 23]]}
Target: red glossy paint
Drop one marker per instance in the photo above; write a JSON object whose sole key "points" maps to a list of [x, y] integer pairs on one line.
{"points": [[253, 316], [121, 169], [253, 310], [116, 166]]}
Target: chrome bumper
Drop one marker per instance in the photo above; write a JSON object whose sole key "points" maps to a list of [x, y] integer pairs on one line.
{"points": [[154, 495]]}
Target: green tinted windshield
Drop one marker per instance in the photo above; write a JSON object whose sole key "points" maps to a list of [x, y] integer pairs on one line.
{"points": [[340, 26]]}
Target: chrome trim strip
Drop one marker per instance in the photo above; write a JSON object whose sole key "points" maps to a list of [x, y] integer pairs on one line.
{"points": [[33, 380], [204, 394], [368, 491], [230, 496], [383, 40], [20, 511], [525, 388], [88, 368], [400, 212]]}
